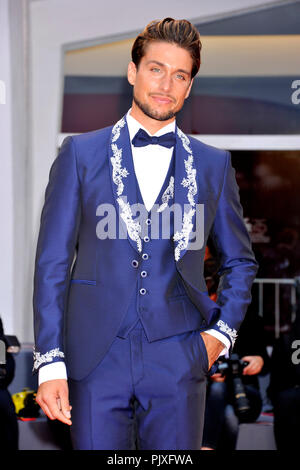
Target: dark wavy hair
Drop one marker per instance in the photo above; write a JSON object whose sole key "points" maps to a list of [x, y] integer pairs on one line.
{"points": [[179, 32]]}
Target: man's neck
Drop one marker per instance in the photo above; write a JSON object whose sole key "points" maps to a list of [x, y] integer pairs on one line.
{"points": [[151, 125]]}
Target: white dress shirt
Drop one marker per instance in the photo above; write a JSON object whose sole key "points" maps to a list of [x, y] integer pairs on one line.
{"points": [[151, 164]]}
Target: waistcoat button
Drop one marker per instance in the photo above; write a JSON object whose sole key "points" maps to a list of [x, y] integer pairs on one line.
{"points": [[146, 238], [148, 221], [145, 256], [143, 291], [144, 273], [134, 263]]}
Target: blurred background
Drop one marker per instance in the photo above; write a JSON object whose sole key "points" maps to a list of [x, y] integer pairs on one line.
{"points": [[63, 67]]}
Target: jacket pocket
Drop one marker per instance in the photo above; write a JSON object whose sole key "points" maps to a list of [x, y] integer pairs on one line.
{"points": [[173, 298], [83, 281]]}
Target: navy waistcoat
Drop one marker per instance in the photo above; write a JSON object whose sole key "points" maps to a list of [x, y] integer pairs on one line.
{"points": [[157, 256]]}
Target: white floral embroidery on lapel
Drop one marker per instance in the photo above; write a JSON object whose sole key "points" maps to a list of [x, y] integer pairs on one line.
{"points": [[134, 228], [167, 195], [119, 173], [190, 183], [117, 129]]}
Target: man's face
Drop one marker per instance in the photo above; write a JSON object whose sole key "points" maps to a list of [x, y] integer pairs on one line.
{"points": [[162, 81]]}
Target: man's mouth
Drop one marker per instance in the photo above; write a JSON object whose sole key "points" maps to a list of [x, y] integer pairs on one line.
{"points": [[161, 99]]}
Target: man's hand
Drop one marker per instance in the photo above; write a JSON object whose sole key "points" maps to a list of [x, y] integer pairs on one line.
{"points": [[213, 347], [53, 398]]}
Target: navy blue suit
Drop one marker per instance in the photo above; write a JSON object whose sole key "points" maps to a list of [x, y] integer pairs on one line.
{"points": [[130, 308]]}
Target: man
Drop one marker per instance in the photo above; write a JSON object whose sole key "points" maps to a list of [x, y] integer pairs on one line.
{"points": [[126, 317]]}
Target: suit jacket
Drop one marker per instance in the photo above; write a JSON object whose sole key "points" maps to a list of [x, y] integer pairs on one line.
{"points": [[83, 284]]}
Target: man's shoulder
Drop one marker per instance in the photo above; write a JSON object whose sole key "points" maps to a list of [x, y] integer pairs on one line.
{"points": [[200, 148], [91, 138], [90, 145]]}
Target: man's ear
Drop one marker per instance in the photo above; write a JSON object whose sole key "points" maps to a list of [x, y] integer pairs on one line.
{"points": [[189, 89], [131, 73]]}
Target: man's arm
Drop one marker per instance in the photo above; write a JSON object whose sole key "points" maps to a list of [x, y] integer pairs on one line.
{"points": [[56, 245], [238, 265]]}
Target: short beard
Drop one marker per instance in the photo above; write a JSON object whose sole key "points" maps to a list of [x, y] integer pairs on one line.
{"points": [[152, 113]]}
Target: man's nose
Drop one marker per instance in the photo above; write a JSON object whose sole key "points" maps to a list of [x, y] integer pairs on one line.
{"points": [[166, 83]]}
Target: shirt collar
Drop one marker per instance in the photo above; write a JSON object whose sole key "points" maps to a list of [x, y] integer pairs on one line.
{"points": [[134, 126]]}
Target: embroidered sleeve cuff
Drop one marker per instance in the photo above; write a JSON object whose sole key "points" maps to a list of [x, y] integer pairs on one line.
{"points": [[50, 356], [221, 338], [227, 331], [54, 371]]}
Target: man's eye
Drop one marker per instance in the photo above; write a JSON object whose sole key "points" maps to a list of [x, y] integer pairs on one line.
{"points": [[155, 69], [181, 77]]}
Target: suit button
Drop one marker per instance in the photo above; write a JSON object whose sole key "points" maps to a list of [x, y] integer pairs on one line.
{"points": [[134, 263], [146, 238], [203, 322], [145, 256], [144, 273], [143, 291]]}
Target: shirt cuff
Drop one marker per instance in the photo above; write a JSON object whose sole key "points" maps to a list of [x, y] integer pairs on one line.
{"points": [[57, 370], [221, 338]]}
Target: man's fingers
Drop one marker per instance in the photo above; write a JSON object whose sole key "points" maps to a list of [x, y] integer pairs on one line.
{"points": [[53, 398], [65, 406], [40, 401], [55, 410], [46, 410]]}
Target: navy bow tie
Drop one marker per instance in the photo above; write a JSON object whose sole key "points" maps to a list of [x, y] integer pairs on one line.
{"points": [[141, 139]]}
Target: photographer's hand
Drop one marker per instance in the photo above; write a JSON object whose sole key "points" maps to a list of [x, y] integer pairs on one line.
{"points": [[217, 377], [53, 398], [255, 365]]}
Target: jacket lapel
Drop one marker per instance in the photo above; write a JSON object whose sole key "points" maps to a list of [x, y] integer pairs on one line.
{"points": [[185, 193], [125, 189], [124, 182]]}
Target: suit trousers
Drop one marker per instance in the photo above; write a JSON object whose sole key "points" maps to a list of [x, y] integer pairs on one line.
{"points": [[143, 395]]}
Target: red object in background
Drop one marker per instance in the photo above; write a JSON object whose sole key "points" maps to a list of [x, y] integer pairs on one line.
{"points": [[26, 419], [207, 253]]}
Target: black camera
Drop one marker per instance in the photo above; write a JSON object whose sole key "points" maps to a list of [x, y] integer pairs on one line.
{"points": [[8, 344], [232, 369]]}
